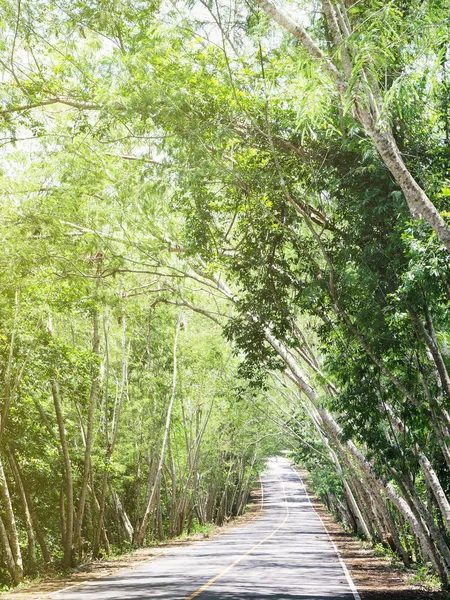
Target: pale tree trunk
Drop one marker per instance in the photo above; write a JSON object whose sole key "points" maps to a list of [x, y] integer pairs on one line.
{"points": [[348, 491], [26, 511], [67, 504], [126, 523], [430, 339], [213, 491], [11, 528], [435, 486], [143, 528], [33, 515], [90, 418], [96, 505], [193, 452], [67, 513], [15, 574], [62, 516], [177, 510], [364, 498], [367, 107], [416, 502], [111, 442], [231, 501], [159, 525], [220, 511], [108, 449], [245, 491], [8, 385], [334, 431]]}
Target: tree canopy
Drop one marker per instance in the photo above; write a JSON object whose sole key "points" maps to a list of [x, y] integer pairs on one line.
{"points": [[225, 233]]}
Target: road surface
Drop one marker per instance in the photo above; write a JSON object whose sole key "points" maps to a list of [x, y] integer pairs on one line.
{"points": [[285, 554]]}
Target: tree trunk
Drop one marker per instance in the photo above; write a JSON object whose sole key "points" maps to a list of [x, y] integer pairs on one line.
{"points": [[418, 202], [143, 528], [7, 384], [67, 514], [335, 432], [14, 572], [90, 419], [34, 519], [435, 486], [110, 443], [126, 523], [11, 528], [26, 511], [431, 342]]}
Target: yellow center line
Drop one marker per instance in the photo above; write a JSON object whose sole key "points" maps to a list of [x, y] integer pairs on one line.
{"points": [[220, 575]]}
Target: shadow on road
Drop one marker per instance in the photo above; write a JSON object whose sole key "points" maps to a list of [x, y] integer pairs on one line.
{"points": [[145, 593], [404, 595], [370, 595]]}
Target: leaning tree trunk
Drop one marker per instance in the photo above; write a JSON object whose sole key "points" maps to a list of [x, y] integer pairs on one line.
{"points": [[90, 418], [139, 539], [15, 574], [350, 496], [8, 383], [334, 431], [111, 442], [427, 516], [366, 100], [124, 519], [435, 486], [10, 527], [26, 512], [67, 513], [33, 515]]}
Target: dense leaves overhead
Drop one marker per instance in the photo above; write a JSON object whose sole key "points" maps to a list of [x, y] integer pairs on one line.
{"points": [[214, 227]]}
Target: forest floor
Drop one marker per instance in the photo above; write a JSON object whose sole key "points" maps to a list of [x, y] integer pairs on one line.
{"points": [[375, 577]]}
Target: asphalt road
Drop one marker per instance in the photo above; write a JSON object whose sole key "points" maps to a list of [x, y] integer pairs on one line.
{"points": [[285, 554]]}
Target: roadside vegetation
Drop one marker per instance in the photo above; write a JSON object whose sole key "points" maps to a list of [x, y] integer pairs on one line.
{"points": [[225, 232]]}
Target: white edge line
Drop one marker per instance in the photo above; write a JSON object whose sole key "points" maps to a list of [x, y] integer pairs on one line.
{"points": [[342, 563]]}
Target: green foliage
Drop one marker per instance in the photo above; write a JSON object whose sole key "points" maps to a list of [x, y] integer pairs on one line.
{"points": [[153, 147]]}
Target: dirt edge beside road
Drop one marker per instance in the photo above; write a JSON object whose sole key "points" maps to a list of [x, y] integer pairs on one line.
{"points": [[98, 569], [374, 577]]}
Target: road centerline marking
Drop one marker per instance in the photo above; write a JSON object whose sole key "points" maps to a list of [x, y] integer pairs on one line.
{"points": [[238, 560]]}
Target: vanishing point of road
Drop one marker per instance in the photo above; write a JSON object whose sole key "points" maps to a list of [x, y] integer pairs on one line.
{"points": [[285, 554]]}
